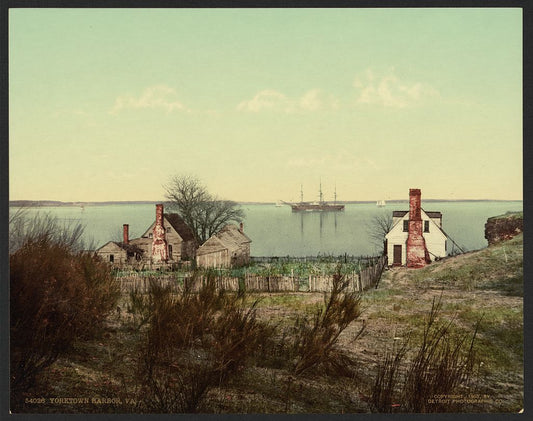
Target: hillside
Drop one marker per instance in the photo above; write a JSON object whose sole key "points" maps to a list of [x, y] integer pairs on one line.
{"points": [[484, 285]]}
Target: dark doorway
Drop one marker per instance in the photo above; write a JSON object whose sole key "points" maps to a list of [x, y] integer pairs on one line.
{"points": [[397, 255]]}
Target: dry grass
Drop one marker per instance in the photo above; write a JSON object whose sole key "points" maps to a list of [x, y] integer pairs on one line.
{"points": [[267, 383], [443, 361]]}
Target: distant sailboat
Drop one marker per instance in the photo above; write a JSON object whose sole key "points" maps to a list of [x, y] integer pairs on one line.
{"points": [[279, 204], [381, 203]]}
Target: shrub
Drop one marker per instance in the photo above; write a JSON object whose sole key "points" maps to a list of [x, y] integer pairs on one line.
{"points": [[140, 306], [57, 296], [195, 341], [442, 361], [315, 339], [387, 379]]}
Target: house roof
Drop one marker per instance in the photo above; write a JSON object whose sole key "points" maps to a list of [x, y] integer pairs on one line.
{"points": [[230, 237], [113, 243], [234, 232], [141, 241], [132, 248], [431, 214], [127, 247], [180, 226], [212, 245]]}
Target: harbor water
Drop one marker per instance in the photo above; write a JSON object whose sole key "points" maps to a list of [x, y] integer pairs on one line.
{"points": [[277, 231]]}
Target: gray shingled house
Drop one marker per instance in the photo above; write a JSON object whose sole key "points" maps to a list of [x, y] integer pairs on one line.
{"points": [[229, 247], [178, 238]]}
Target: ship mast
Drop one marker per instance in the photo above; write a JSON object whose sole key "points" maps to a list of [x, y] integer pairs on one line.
{"points": [[335, 195], [301, 193], [320, 190]]}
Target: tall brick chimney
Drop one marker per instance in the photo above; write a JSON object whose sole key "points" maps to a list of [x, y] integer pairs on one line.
{"points": [[415, 203], [125, 234], [417, 254], [159, 242]]}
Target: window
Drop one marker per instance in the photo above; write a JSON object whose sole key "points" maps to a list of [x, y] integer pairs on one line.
{"points": [[426, 226], [150, 235], [170, 251], [405, 225], [168, 229], [111, 258]]}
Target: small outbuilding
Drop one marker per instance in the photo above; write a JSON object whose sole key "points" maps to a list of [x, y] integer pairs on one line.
{"points": [[229, 247], [416, 237], [119, 254]]}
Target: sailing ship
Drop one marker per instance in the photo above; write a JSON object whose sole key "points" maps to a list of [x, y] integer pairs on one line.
{"points": [[320, 206]]}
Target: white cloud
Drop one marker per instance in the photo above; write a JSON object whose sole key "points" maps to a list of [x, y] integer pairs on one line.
{"points": [[159, 96], [267, 99], [389, 91], [313, 100]]}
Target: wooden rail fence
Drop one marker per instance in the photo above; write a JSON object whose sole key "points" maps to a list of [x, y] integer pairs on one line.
{"points": [[367, 278]]}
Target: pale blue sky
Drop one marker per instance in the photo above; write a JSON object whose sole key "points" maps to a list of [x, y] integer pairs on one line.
{"points": [[107, 104]]}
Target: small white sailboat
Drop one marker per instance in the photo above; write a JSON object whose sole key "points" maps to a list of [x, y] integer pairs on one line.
{"points": [[381, 204]]}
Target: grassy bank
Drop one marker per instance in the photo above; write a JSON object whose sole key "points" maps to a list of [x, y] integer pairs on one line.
{"points": [[483, 286]]}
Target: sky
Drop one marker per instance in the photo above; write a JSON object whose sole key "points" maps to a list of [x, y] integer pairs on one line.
{"points": [[109, 104]]}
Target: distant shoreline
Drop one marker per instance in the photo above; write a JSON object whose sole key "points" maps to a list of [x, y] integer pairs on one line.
{"points": [[55, 203]]}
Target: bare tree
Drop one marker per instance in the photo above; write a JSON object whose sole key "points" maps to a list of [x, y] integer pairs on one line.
{"points": [[378, 227], [203, 212], [24, 228]]}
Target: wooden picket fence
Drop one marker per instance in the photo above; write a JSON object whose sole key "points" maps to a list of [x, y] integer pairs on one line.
{"points": [[367, 278], [371, 275], [141, 283]]}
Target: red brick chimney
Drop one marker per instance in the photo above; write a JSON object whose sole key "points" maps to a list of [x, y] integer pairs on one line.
{"points": [[159, 242], [125, 234], [416, 244], [415, 203]]}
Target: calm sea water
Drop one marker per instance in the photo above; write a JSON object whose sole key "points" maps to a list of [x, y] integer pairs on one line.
{"points": [[277, 231]]}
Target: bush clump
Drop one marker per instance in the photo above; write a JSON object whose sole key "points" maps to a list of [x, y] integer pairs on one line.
{"points": [[194, 342], [315, 338], [310, 342], [57, 295]]}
